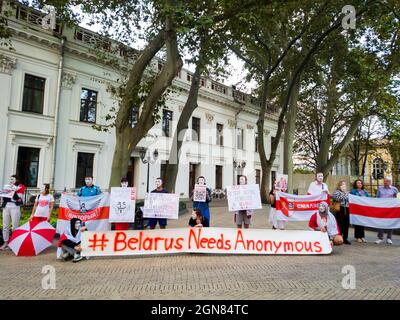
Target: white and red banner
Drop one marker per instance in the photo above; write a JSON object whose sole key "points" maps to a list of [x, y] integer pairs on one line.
{"points": [[380, 213], [122, 204], [244, 197], [200, 193], [290, 207], [204, 240], [161, 205], [92, 211]]}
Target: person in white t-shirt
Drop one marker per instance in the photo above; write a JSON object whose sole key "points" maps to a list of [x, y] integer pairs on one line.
{"points": [[44, 205], [318, 186]]}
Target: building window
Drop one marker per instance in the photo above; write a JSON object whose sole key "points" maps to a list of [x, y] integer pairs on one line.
{"points": [[84, 167], [166, 123], [258, 176], [28, 166], [163, 170], [220, 136], [377, 168], [188, 77], [256, 142], [218, 177], [88, 105], [134, 117], [239, 133], [33, 98], [203, 82], [195, 129]]}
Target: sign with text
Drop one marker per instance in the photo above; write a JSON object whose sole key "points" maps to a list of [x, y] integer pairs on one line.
{"points": [[122, 204], [200, 193], [161, 205], [244, 197], [7, 192], [281, 182], [204, 240]]}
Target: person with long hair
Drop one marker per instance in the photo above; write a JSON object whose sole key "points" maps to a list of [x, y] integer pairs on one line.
{"points": [[44, 204], [71, 242], [197, 220], [358, 190], [341, 195]]}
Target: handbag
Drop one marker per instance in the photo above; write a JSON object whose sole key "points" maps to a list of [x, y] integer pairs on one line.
{"points": [[335, 207]]}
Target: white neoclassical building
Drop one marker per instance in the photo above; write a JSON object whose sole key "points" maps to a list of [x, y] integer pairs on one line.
{"points": [[52, 92]]}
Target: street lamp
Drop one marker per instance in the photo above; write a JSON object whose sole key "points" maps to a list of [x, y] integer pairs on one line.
{"points": [[238, 165], [148, 160]]}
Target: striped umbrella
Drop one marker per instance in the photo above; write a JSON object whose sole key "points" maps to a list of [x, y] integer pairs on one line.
{"points": [[32, 238]]}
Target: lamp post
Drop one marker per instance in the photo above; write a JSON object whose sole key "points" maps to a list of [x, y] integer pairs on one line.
{"points": [[148, 159], [238, 165]]}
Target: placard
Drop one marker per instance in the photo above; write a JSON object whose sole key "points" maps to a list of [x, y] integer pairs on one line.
{"points": [[244, 197], [200, 193], [122, 204], [161, 205]]}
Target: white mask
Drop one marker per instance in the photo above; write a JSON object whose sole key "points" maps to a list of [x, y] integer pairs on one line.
{"points": [[201, 181], [321, 208], [77, 225], [158, 183], [242, 180], [88, 181], [320, 177], [13, 181], [124, 184], [42, 189]]}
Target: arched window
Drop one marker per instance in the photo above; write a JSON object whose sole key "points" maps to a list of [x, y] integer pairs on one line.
{"points": [[377, 168]]}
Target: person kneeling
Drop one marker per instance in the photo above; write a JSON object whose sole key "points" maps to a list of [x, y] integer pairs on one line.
{"points": [[71, 246], [197, 219], [325, 221]]}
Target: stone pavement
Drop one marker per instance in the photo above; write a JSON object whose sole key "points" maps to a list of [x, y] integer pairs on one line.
{"points": [[209, 277]]}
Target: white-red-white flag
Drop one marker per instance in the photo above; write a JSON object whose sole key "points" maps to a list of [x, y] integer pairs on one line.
{"points": [[381, 213], [290, 207]]}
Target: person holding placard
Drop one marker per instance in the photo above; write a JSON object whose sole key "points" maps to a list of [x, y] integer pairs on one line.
{"points": [[203, 205], [273, 219], [197, 220], [44, 205], [161, 221], [122, 225], [243, 217]]}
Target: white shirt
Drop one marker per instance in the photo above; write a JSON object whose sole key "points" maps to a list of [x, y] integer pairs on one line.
{"points": [[43, 205], [317, 188]]}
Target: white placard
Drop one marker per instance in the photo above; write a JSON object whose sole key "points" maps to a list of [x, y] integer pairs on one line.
{"points": [[200, 193], [244, 197], [205, 240], [7, 192], [122, 204], [161, 205], [281, 182]]}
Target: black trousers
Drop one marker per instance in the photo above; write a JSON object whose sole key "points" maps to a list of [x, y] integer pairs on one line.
{"points": [[343, 219], [359, 232]]}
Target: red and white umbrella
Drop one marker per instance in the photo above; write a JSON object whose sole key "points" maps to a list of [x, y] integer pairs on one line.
{"points": [[32, 238]]}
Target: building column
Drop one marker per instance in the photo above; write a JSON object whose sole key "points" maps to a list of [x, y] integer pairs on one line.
{"points": [[7, 66]]}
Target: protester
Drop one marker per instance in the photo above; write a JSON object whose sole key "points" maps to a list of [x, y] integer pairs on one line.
{"points": [[273, 216], [122, 225], [318, 186], [243, 217], [387, 191], [343, 216], [161, 221], [358, 190], [325, 221], [89, 189], [71, 241], [11, 209], [197, 219], [44, 204], [203, 206]]}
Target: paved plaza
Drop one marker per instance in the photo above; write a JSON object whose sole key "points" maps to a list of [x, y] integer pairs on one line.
{"points": [[209, 277]]}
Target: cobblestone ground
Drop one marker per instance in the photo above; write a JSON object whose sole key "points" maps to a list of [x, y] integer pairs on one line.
{"points": [[207, 277]]}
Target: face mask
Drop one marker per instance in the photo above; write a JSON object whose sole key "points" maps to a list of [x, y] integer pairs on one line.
{"points": [[89, 181], [320, 177], [242, 180], [124, 184], [158, 183], [321, 208], [77, 225], [194, 215], [42, 189], [202, 182], [13, 181]]}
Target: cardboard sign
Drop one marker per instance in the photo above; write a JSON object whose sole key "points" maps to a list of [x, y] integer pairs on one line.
{"points": [[244, 197], [281, 182], [161, 205], [204, 240], [122, 204], [200, 193]]}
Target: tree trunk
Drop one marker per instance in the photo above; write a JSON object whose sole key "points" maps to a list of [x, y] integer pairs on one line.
{"points": [[290, 128]]}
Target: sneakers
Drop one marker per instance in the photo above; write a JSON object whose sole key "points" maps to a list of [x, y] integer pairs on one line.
{"points": [[66, 256], [378, 241], [389, 241], [77, 257], [359, 240]]}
